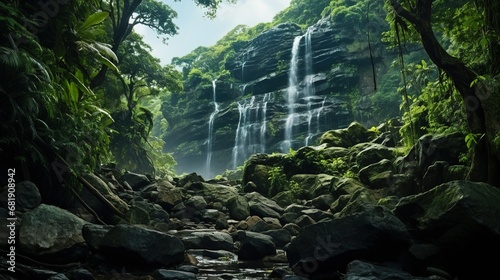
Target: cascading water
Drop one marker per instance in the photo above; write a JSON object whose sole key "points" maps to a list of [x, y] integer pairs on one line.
{"points": [[252, 128], [308, 81], [292, 94], [309, 75], [318, 116], [309, 123], [211, 129], [263, 127], [243, 70]]}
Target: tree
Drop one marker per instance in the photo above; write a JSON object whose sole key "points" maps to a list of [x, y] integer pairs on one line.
{"points": [[141, 76], [478, 86], [126, 14]]}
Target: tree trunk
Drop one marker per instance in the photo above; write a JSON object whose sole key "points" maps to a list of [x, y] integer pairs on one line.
{"points": [[481, 102]]}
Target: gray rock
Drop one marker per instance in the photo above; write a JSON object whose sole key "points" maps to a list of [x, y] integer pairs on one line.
{"points": [[292, 228], [372, 154], [59, 276], [196, 202], [211, 240], [27, 196], [280, 237], [462, 218], [254, 245], [357, 270], [372, 234], [94, 234], [80, 274], [238, 208], [168, 198], [213, 254], [136, 181], [264, 204], [51, 230], [165, 274], [136, 245]]}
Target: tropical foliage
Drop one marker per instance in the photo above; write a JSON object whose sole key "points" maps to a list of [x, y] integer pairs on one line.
{"points": [[74, 76]]}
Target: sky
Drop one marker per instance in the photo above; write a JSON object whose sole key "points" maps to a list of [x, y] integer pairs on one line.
{"points": [[195, 29]]}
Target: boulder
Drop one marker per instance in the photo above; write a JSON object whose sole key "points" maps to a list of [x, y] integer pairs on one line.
{"points": [[254, 245], [280, 237], [134, 180], [135, 245], [169, 197], [166, 274], [324, 248], [364, 270], [51, 231], [27, 196], [461, 218], [238, 208], [210, 240], [372, 154], [355, 133]]}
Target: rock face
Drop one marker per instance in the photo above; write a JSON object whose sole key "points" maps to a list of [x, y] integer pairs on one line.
{"points": [[290, 87]]}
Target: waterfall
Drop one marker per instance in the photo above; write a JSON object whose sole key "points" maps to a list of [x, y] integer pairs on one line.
{"points": [[244, 133], [309, 75], [243, 70], [309, 123], [211, 129], [292, 94], [320, 110], [251, 130], [263, 126]]}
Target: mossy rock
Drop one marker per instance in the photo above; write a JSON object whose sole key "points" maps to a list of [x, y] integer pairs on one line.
{"points": [[355, 133], [285, 198]]}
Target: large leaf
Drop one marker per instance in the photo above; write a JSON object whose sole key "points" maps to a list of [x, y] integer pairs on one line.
{"points": [[93, 20], [107, 120], [80, 85]]}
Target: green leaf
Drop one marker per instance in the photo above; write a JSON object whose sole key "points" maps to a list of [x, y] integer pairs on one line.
{"points": [[93, 20], [80, 85], [108, 118]]}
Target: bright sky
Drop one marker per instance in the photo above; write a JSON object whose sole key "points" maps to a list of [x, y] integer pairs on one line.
{"points": [[195, 29]]}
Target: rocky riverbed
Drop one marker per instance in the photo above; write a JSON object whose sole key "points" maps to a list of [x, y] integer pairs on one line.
{"points": [[405, 216]]}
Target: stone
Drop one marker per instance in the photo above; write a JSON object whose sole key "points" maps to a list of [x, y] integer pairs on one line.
{"points": [[168, 198], [97, 205], [462, 218], [49, 230], [280, 237], [254, 245], [80, 274], [166, 274], [94, 234], [197, 202], [323, 202], [59, 276], [134, 180], [364, 270], [292, 228], [238, 208], [255, 197], [304, 220], [135, 245], [137, 215], [374, 234], [27, 196], [372, 154], [210, 240]]}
